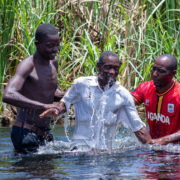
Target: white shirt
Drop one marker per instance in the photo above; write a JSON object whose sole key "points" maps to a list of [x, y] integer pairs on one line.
{"points": [[98, 113]]}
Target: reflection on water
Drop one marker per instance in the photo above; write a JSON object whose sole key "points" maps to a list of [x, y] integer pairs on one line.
{"points": [[160, 165], [128, 160]]}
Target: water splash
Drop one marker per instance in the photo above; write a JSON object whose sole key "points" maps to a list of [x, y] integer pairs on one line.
{"points": [[174, 148], [110, 83], [56, 120], [99, 138], [66, 126], [55, 147], [124, 141]]}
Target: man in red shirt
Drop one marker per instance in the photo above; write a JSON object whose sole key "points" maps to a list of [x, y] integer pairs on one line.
{"points": [[161, 98]]}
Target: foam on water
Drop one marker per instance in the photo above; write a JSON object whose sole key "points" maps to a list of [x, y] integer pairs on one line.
{"points": [[54, 147], [120, 145]]}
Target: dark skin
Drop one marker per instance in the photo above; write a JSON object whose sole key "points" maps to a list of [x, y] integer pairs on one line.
{"points": [[35, 81], [107, 73], [162, 77]]}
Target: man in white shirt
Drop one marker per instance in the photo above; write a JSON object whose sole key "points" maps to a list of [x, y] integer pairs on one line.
{"points": [[100, 104]]}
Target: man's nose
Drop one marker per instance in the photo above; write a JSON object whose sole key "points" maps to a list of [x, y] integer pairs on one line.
{"points": [[155, 73], [112, 71], [56, 49]]}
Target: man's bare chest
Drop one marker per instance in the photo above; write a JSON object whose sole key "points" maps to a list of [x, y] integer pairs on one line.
{"points": [[43, 78]]}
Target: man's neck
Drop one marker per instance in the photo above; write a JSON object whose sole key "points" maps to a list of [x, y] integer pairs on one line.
{"points": [[163, 89], [40, 60]]}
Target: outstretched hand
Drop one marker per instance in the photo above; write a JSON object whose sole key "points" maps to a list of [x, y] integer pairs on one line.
{"points": [[53, 110], [50, 113], [159, 141]]}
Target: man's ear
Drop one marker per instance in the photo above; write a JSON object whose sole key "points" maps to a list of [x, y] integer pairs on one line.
{"points": [[36, 42], [98, 67], [173, 73]]}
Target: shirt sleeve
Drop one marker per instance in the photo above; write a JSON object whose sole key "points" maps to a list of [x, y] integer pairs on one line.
{"points": [[72, 96], [128, 115], [138, 95]]}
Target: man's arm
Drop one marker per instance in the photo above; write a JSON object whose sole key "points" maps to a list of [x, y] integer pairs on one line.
{"points": [[138, 94], [175, 137], [12, 93], [70, 97], [130, 119], [143, 135]]}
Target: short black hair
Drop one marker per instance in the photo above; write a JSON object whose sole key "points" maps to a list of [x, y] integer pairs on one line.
{"points": [[44, 30], [172, 59], [104, 54]]}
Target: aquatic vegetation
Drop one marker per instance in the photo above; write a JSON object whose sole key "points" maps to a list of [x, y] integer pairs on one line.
{"points": [[138, 31]]}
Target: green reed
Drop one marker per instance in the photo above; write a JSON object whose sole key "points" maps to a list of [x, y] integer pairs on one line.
{"points": [[139, 31], [7, 15]]}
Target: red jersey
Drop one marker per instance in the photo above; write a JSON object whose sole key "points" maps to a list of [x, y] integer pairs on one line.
{"points": [[162, 110]]}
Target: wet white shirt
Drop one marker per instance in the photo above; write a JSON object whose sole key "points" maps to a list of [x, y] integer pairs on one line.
{"points": [[98, 113]]}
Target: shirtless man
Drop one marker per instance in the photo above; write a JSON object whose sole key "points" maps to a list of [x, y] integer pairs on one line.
{"points": [[100, 103], [32, 90]]}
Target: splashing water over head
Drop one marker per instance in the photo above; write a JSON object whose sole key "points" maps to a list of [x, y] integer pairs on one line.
{"points": [[110, 82]]}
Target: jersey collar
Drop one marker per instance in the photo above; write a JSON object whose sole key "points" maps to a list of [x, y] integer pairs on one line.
{"points": [[162, 94]]}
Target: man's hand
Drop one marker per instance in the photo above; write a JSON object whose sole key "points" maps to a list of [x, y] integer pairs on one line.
{"points": [[175, 137], [144, 136], [53, 110], [160, 141], [50, 113]]}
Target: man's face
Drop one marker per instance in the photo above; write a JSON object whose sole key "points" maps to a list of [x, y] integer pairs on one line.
{"points": [[109, 70], [49, 47], [161, 74]]}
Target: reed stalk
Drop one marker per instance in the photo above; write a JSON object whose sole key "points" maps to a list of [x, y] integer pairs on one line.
{"points": [[139, 31]]}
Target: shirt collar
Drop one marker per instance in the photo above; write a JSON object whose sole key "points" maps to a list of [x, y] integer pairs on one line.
{"points": [[94, 82]]}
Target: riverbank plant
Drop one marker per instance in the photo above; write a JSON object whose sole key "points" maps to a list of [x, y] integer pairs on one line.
{"points": [[139, 31]]}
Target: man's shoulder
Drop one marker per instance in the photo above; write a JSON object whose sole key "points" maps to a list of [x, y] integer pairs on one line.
{"points": [[55, 62], [178, 85], [121, 90], [145, 89], [25, 65], [147, 85], [28, 59], [177, 91], [86, 80], [119, 87]]}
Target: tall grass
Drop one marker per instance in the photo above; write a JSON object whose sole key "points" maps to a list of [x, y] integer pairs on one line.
{"points": [[7, 15], [139, 31]]}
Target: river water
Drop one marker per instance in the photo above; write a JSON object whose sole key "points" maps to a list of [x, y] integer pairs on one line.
{"points": [[129, 160]]}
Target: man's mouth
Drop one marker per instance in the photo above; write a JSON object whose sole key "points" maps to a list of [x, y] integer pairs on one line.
{"points": [[156, 82], [111, 80], [52, 55]]}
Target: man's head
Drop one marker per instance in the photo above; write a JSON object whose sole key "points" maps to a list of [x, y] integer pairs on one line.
{"points": [[47, 41], [163, 71], [108, 68], [43, 31]]}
